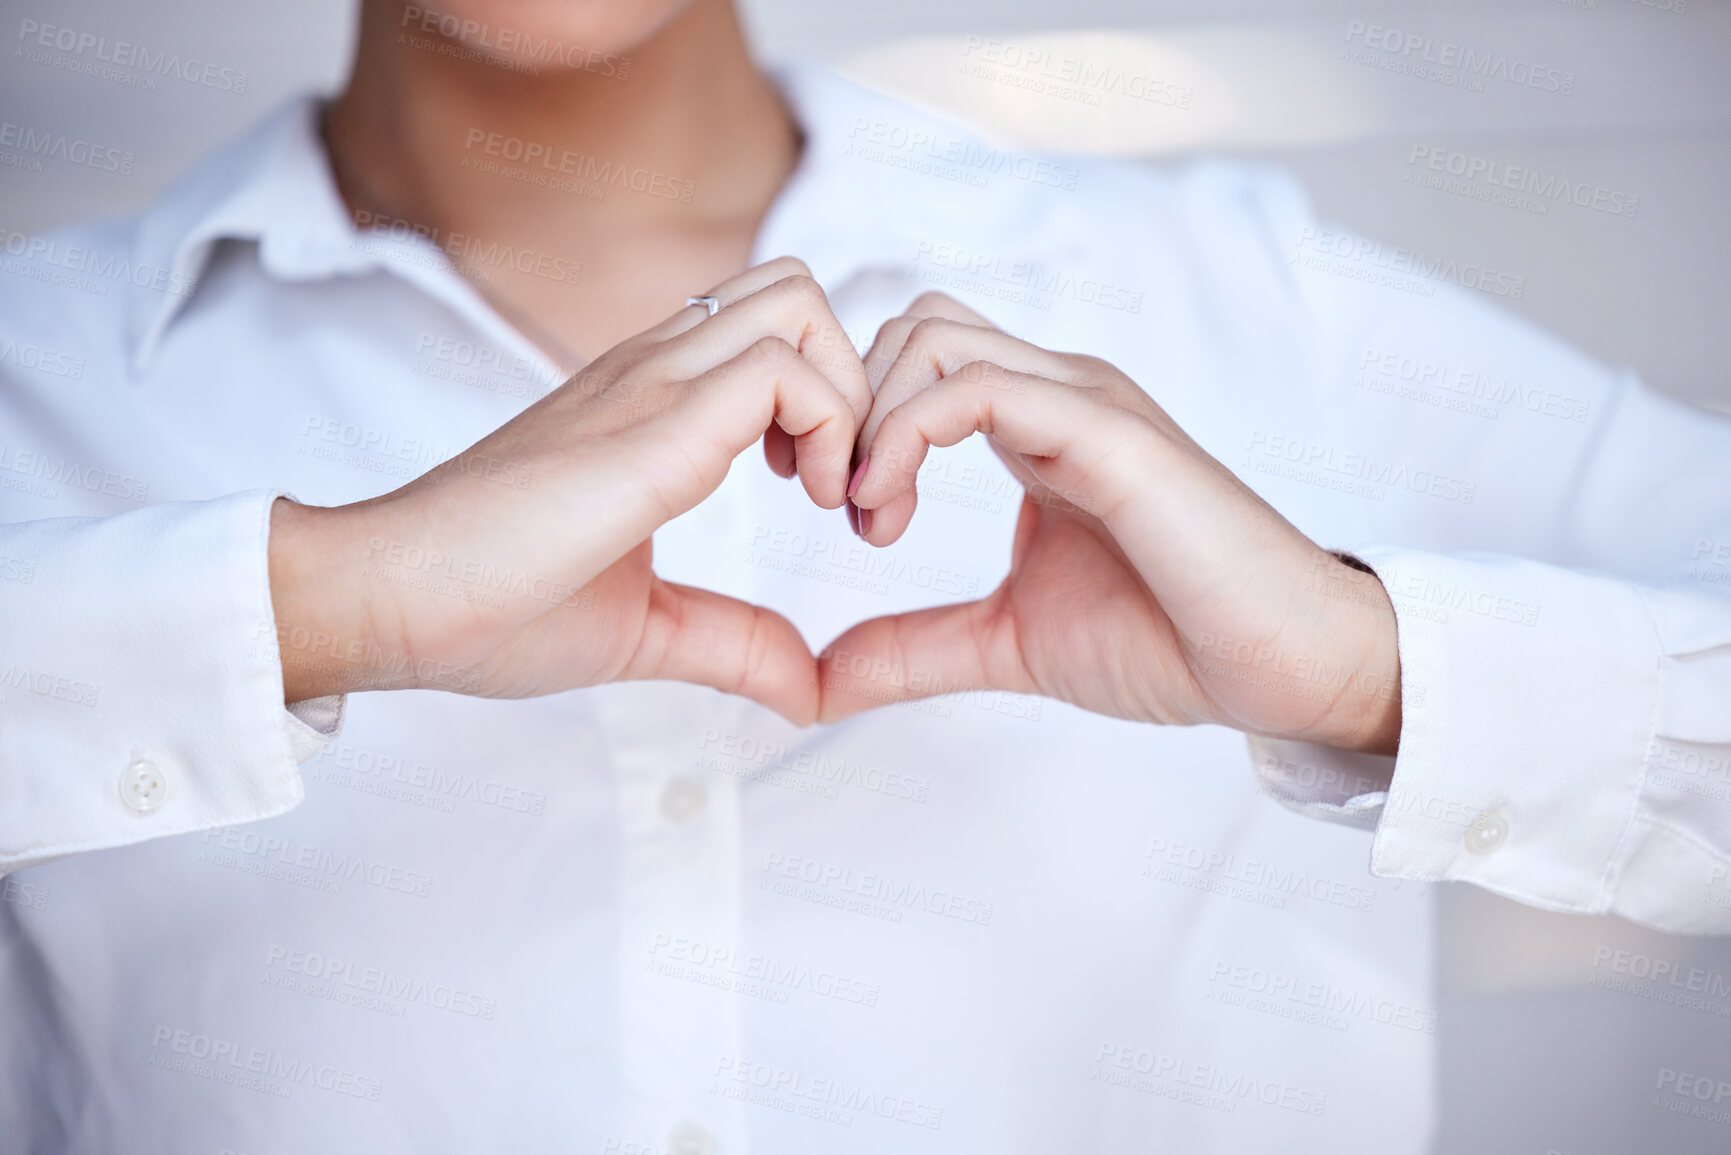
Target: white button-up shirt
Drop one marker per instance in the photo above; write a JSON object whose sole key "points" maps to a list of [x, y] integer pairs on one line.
{"points": [[654, 918]]}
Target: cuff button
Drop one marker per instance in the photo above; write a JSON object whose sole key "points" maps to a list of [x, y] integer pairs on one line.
{"points": [[143, 787], [1487, 833]]}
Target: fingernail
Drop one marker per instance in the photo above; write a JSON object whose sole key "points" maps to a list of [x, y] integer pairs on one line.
{"points": [[865, 522], [853, 518], [858, 475]]}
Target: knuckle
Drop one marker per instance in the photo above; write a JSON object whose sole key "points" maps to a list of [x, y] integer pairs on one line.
{"points": [[773, 348], [1095, 370], [801, 286], [928, 329], [931, 299], [788, 266]]}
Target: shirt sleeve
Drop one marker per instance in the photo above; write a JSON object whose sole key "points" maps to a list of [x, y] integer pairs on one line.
{"points": [[1564, 620], [140, 686], [1565, 742]]}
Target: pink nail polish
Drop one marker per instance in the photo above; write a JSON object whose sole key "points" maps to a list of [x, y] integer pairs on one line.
{"points": [[858, 475], [865, 522]]}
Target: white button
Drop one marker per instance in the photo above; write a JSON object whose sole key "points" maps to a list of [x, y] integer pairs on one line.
{"points": [[1487, 832], [690, 1139], [143, 787], [683, 799]]}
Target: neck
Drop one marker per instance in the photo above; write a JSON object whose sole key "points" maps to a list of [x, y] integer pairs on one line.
{"points": [[627, 194]]}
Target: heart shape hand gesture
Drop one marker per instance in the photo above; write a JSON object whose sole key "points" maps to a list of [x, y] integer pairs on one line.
{"points": [[1147, 582], [521, 566]]}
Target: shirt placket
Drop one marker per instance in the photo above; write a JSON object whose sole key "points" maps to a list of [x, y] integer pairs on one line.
{"points": [[679, 904]]}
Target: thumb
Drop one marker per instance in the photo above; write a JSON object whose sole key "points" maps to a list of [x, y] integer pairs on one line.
{"points": [[710, 639], [971, 646]]}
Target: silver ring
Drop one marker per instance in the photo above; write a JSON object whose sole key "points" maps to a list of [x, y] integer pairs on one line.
{"points": [[713, 304]]}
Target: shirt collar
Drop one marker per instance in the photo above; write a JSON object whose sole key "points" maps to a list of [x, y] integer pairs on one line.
{"points": [[863, 151]]}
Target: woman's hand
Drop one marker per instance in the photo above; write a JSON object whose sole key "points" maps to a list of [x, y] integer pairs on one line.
{"points": [[1146, 580], [522, 566]]}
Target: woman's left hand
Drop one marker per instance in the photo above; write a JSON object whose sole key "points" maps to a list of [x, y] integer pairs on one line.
{"points": [[1146, 580]]}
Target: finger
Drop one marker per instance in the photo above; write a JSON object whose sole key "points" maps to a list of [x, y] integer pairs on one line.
{"points": [[726, 293], [1066, 428], [778, 451], [893, 334], [1032, 412], [698, 636], [769, 382], [793, 308], [936, 347], [943, 650]]}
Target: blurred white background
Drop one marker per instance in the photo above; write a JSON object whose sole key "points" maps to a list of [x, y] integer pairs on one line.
{"points": [[1525, 1040], [1649, 118]]}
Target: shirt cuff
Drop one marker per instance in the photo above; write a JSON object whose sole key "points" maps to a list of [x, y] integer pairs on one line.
{"points": [[142, 692], [1539, 709]]}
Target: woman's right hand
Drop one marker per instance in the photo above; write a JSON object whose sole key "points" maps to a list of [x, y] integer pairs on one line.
{"points": [[522, 567]]}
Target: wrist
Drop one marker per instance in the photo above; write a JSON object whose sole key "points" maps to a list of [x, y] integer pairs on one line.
{"points": [[1366, 713], [324, 616]]}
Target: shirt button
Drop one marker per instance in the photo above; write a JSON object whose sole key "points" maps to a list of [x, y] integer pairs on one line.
{"points": [[1487, 833], [690, 1139], [683, 799], [143, 787]]}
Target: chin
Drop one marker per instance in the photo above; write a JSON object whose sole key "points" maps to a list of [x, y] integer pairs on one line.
{"points": [[529, 30]]}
